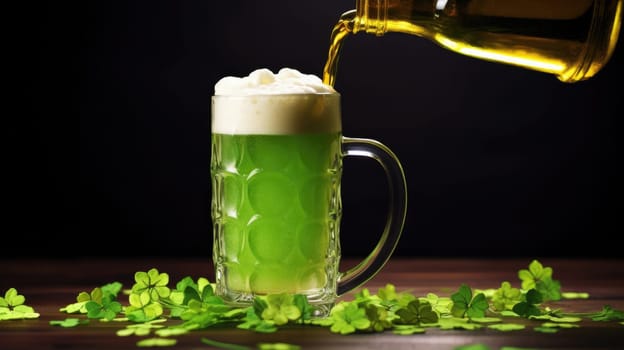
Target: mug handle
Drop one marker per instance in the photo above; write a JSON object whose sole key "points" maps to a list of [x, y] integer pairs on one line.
{"points": [[397, 210]]}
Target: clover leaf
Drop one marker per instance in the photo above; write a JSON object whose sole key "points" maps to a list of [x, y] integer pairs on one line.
{"points": [[417, 312], [151, 342], [505, 297], [141, 329], [348, 318], [441, 305], [253, 322], [107, 309], [280, 309], [68, 322], [540, 278], [143, 308], [379, 318], [465, 305], [152, 282], [12, 306], [529, 307]]}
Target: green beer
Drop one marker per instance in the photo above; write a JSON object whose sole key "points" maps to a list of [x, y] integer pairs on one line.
{"points": [[276, 166], [276, 210]]}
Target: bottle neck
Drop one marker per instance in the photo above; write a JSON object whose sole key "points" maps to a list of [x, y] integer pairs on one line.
{"points": [[381, 16], [371, 16]]}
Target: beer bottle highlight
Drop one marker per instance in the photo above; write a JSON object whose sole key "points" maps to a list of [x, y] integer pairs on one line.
{"points": [[572, 39]]}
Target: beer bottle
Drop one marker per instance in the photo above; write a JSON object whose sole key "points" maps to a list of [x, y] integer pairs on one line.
{"points": [[572, 39]]}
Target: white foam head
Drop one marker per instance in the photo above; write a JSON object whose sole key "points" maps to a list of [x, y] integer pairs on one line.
{"points": [[288, 102]]}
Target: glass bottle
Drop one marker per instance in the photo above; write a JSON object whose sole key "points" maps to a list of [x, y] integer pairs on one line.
{"points": [[572, 39]]}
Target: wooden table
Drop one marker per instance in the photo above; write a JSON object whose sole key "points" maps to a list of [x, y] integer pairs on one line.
{"points": [[49, 284]]}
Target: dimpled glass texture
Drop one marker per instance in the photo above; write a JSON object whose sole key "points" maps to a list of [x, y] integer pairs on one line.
{"points": [[276, 213]]}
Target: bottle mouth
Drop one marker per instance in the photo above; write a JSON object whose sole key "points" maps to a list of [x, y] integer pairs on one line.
{"points": [[371, 16]]}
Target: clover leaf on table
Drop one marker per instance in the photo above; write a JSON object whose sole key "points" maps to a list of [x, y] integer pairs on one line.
{"points": [[280, 308], [465, 305], [152, 282], [505, 297], [540, 278], [108, 308], [12, 306], [142, 307], [68, 322], [348, 318], [417, 312], [529, 307]]}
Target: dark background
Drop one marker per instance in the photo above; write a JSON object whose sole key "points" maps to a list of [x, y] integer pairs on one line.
{"points": [[110, 155]]}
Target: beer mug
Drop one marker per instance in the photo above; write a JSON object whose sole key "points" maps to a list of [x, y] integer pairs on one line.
{"points": [[276, 166]]}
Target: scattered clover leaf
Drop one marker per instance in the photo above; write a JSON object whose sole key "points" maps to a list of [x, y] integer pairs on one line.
{"points": [[280, 308], [529, 307], [389, 296], [151, 282], [68, 322], [11, 299], [171, 331], [253, 322], [80, 304], [441, 305], [505, 297], [574, 295], [156, 342], [12, 306], [545, 329], [307, 310], [568, 319], [142, 307], [417, 312], [141, 329], [349, 318], [506, 327], [465, 305], [379, 317], [540, 278], [107, 309]]}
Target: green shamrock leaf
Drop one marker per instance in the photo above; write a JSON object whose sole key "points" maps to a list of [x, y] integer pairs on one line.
{"points": [[529, 307], [540, 278], [68, 322], [107, 309], [280, 309], [379, 317], [349, 318], [417, 312], [160, 342], [465, 305], [142, 307], [505, 297], [441, 305], [12, 306], [253, 322], [152, 282]]}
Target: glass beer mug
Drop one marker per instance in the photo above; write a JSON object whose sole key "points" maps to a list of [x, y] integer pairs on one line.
{"points": [[276, 168]]}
